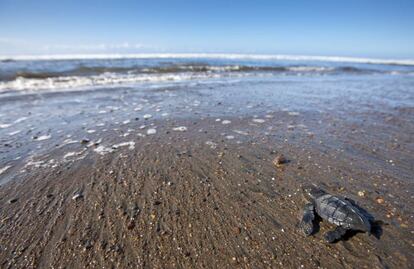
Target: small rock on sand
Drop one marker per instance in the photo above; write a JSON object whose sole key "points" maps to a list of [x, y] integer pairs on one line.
{"points": [[130, 225], [279, 160], [258, 120], [13, 200], [180, 129], [77, 196], [85, 140], [42, 137], [151, 131], [88, 244], [211, 144]]}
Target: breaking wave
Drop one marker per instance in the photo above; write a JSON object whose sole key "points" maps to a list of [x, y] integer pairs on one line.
{"points": [[106, 79], [53, 74], [198, 68]]}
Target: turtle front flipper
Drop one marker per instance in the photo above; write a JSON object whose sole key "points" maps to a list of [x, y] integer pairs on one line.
{"points": [[336, 234], [307, 223]]}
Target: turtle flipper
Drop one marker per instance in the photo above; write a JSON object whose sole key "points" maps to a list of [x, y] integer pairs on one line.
{"points": [[336, 234], [307, 223]]}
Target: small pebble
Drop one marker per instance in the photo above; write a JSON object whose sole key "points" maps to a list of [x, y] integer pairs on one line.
{"points": [[87, 245], [361, 193], [258, 120], [279, 160], [151, 131], [12, 201], [77, 196], [85, 141], [131, 225], [180, 129]]}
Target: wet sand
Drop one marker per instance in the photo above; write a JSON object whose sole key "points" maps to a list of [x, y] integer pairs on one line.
{"points": [[203, 196]]}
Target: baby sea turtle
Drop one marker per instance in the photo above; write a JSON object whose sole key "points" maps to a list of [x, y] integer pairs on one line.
{"points": [[337, 210]]}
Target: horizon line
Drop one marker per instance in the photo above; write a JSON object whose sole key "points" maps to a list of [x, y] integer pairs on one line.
{"points": [[229, 56]]}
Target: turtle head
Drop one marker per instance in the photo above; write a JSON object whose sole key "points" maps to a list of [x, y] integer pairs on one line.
{"points": [[312, 192]]}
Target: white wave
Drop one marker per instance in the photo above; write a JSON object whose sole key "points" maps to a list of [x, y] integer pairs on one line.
{"points": [[72, 154], [4, 125], [101, 150], [211, 56], [130, 144], [310, 69], [15, 132], [206, 67], [20, 119], [4, 169], [43, 137], [106, 79], [224, 68]]}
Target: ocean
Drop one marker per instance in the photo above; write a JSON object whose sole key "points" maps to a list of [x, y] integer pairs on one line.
{"points": [[34, 74]]}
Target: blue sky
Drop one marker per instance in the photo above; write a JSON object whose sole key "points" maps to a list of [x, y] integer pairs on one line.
{"points": [[346, 28]]}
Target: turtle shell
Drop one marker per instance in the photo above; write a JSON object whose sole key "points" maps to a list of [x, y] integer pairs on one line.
{"points": [[341, 212]]}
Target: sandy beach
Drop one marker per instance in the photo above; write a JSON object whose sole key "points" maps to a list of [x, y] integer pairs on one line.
{"points": [[183, 176], [206, 134]]}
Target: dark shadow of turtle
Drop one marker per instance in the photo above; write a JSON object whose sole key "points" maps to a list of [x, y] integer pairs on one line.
{"points": [[376, 225], [376, 231]]}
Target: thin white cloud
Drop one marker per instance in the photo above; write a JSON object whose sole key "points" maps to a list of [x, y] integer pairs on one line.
{"points": [[11, 41], [97, 47], [13, 46]]}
